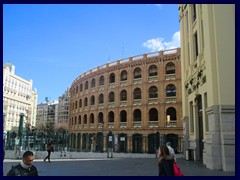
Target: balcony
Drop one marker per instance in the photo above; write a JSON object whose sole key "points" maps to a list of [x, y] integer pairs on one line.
{"points": [[123, 83], [170, 76], [137, 81], [137, 102], [123, 103], [152, 78], [152, 100], [123, 124], [91, 125], [172, 123], [111, 104], [170, 99], [152, 124], [137, 124], [111, 125]]}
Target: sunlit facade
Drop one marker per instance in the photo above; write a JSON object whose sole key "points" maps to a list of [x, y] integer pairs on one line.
{"points": [[208, 77], [137, 99]]}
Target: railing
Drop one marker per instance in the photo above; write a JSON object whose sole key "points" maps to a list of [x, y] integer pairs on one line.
{"points": [[152, 100], [127, 60], [170, 76], [152, 78], [153, 124], [136, 101], [138, 80], [172, 123], [123, 103], [111, 125], [123, 124], [170, 99], [137, 124]]}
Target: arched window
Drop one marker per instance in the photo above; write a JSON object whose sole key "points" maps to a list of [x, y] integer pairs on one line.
{"points": [[137, 115], [101, 81], [93, 83], [170, 68], [81, 87], [152, 70], [91, 118], [79, 119], [75, 122], [75, 104], [85, 101], [80, 103], [170, 90], [111, 116], [123, 116], [153, 114], [100, 99], [111, 97], [153, 92], [76, 89], [124, 75], [92, 102], [100, 117], [112, 78], [137, 93], [137, 73], [123, 95], [85, 119], [86, 85], [171, 114]]}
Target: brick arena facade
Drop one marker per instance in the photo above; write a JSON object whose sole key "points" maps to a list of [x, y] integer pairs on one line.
{"points": [[130, 105]]}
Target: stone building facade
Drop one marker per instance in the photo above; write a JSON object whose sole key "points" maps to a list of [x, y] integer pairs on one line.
{"points": [[130, 105], [208, 77]]}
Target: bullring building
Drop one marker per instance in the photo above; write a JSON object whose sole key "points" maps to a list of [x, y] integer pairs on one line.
{"points": [[130, 105]]}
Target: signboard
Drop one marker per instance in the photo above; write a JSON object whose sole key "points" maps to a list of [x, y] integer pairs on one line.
{"points": [[109, 138]]}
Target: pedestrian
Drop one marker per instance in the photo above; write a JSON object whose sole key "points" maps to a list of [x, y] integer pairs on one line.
{"points": [[17, 147], [25, 167], [165, 163], [171, 150], [49, 150]]}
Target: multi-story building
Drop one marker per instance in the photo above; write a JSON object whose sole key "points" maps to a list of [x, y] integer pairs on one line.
{"points": [[208, 83], [134, 104], [18, 98], [63, 109], [47, 115]]}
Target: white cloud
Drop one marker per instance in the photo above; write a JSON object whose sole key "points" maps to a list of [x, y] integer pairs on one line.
{"points": [[159, 44], [159, 6]]}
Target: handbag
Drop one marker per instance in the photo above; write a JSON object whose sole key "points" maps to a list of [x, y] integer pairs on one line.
{"points": [[176, 170]]}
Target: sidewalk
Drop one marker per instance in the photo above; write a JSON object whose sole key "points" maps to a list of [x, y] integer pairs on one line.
{"points": [[97, 164]]}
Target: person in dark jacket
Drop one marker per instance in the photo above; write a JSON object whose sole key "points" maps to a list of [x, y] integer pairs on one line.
{"points": [[25, 168], [165, 164], [49, 150]]}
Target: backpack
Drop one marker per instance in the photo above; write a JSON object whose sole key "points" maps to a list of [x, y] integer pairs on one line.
{"points": [[176, 170]]}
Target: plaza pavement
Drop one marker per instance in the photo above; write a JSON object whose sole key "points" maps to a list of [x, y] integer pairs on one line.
{"points": [[122, 164]]}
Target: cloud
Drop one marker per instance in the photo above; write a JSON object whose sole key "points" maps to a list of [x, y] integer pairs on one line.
{"points": [[159, 44], [159, 6]]}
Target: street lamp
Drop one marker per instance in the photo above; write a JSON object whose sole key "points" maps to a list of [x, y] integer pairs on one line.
{"points": [[20, 129]]}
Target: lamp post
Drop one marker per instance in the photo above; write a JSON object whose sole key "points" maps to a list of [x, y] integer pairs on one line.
{"points": [[20, 130]]}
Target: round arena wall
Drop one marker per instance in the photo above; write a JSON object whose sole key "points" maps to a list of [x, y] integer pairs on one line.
{"points": [[130, 105]]}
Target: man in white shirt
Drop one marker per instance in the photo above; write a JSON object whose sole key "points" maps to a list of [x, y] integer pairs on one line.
{"points": [[171, 150]]}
